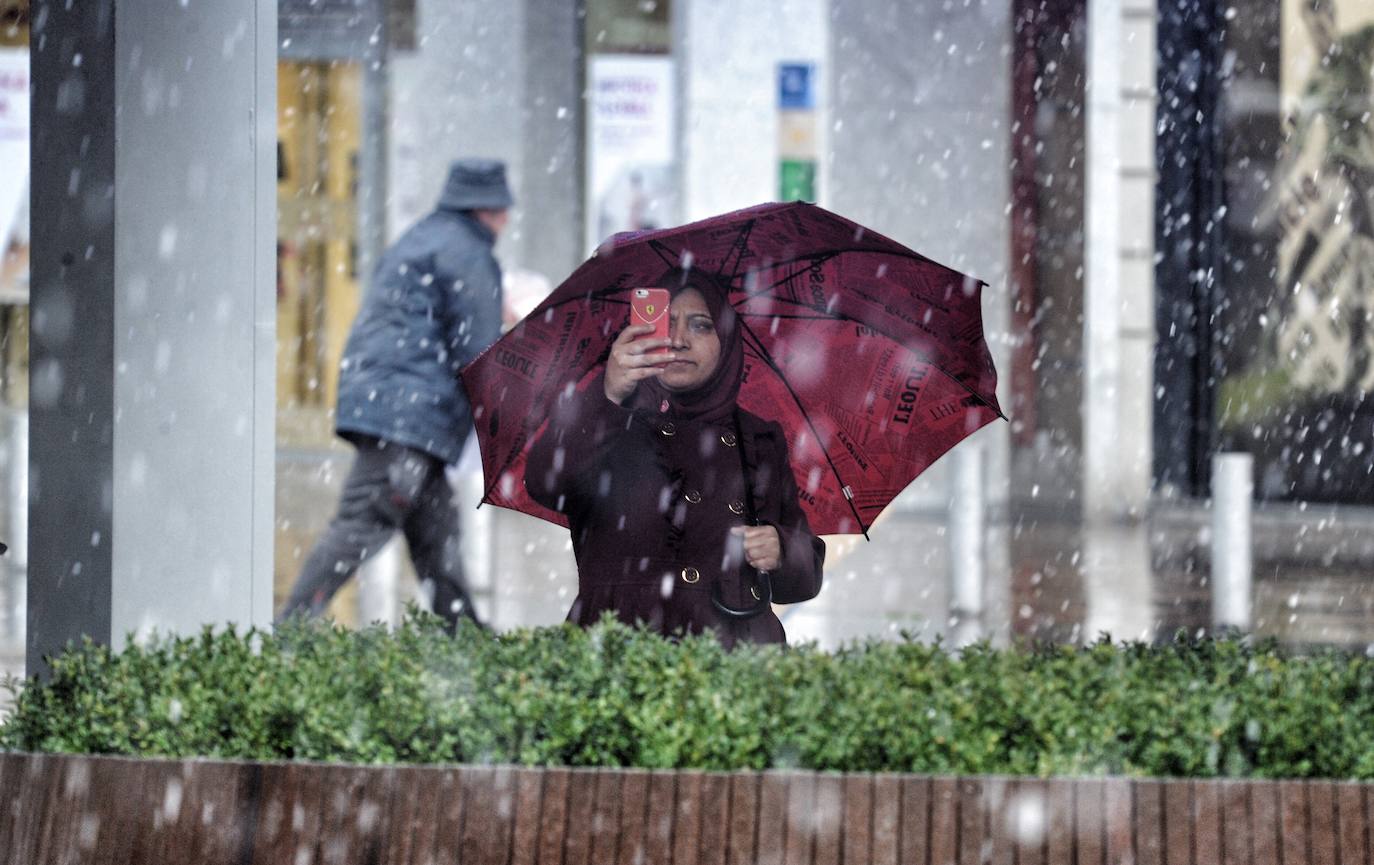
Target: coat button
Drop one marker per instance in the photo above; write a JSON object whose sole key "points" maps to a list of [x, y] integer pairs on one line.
{"points": [[668, 429], [754, 590], [728, 440], [737, 507], [693, 496], [690, 575]]}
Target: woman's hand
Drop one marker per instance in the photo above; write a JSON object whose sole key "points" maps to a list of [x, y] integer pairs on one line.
{"points": [[762, 546], [632, 360]]}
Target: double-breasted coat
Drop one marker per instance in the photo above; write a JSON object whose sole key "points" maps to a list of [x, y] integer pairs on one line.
{"points": [[651, 497]]}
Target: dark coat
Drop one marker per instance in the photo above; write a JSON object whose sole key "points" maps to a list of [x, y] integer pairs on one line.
{"points": [[651, 501], [434, 304]]}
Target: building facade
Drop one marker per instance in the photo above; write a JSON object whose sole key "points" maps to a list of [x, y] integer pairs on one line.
{"points": [[1169, 200]]}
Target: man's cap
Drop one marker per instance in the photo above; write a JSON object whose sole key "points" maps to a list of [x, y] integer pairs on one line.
{"points": [[476, 184]]}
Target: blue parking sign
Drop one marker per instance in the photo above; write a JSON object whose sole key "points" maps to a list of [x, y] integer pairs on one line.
{"points": [[796, 85]]}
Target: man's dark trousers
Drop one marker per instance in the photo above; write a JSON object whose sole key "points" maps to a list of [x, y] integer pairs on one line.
{"points": [[390, 487]]}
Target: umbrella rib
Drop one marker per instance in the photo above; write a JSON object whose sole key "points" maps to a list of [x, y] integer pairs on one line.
{"points": [[737, 249], [768, 359], [660, 248], [812, 261], [971, 392]]}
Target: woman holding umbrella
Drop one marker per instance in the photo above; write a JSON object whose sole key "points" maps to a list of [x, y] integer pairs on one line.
{"points": [[682, 506], [681, 498]]}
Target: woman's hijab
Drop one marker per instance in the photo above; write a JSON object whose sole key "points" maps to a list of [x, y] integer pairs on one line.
{"points": [[714, 400]]}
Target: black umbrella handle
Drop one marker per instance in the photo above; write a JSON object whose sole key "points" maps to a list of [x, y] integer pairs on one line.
{"points": [[765, 600]]}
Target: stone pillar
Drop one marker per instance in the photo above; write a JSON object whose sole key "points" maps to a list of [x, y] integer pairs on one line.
{"points": [[513, 92], [1118, 336], [1136, 271], [551, 156], [461, 92], [153, 317], [728, 56]]}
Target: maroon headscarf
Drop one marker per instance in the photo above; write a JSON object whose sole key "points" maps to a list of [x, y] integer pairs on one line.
{"points": [[714, 400]]}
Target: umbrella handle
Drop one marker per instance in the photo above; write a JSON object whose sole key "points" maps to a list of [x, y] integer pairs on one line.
{"points": [[765, 601]]}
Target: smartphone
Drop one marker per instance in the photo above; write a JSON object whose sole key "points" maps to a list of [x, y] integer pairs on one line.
{"points": [[650, 306]]}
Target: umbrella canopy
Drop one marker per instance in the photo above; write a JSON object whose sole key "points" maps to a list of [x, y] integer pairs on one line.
{"points": [[870, 355]]}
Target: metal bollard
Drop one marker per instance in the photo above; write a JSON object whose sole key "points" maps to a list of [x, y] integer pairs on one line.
{"points": [[967, 514], [379, 580], [479, 542], [1233, 488], [477, 530]]}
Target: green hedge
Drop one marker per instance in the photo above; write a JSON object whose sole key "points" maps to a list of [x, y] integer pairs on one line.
{"points": [[614, 696]]}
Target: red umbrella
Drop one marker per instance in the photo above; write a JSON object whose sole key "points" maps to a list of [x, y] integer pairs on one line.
{"points": [[870, 355]]}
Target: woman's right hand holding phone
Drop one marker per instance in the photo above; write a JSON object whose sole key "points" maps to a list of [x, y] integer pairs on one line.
{"points": [[634, 359]]}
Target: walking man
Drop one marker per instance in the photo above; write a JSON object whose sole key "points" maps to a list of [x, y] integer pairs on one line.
{"points": [[433, 305]]}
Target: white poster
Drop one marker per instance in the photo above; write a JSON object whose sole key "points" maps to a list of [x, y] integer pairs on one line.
{"points": [[631, 146], [14, 138]]}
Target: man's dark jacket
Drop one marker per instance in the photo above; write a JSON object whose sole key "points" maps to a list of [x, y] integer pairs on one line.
{"points": [[434, 304]]}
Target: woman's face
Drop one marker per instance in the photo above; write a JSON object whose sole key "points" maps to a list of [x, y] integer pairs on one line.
{"points": [[695, 342]]}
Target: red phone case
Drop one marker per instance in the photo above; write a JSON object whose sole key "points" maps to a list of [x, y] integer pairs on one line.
{"points": [[650, 306]]}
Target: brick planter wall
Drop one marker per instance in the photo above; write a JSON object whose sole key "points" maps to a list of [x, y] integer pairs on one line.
{"points": [[57, 808]]}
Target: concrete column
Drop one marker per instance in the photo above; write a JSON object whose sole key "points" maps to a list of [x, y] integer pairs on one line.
{"points": [[1103, 493], [152, 404], [551, 155], [1118, 583], [1136, 273], [1119, 325], [728, 56], [458, 94]]}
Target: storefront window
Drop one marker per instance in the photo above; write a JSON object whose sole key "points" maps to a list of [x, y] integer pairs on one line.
{"points": [[318, 108], [1296, 335]]}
